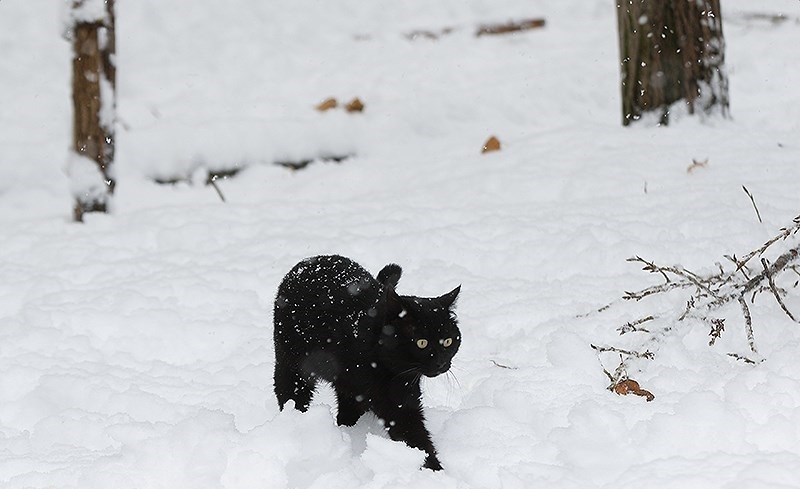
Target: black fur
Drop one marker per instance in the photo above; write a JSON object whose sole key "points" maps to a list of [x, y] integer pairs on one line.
{"points": [[335, 322]]}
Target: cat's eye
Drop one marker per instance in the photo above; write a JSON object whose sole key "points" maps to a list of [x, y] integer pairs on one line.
{"points": [[422, 343], [447, 342]]}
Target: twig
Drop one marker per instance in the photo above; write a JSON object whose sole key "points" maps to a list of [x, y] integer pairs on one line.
{"points": [[511, 26], [742, 358], [596, 311], [748, 325], [696, 164], [632, 326], [503, 366], [779, 265], [758, 214], [785, 233], [692, 277], [650, 267], [646, 354], [775, 290], [740, 267], [709, 292], [212, 180], [608, 374], [619, 375], [689, 306], [656, 289]]}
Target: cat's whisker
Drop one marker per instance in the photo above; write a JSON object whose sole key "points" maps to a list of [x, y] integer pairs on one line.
{"points": [[414, 370], [451, 387], [452, 375], [456, 367]]}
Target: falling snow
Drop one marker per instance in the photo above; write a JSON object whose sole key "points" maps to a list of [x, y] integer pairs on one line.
{"points": [[136, 349]]}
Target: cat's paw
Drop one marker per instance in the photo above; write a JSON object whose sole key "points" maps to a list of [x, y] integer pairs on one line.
{"points": [[432, 463]]}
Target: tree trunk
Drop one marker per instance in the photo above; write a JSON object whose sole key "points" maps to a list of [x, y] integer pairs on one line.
{"points": [[94, 101], [671, 50]]}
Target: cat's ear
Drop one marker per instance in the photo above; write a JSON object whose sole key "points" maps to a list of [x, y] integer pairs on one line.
{"points": [[390, 275], [393, 303], [449, 299]]}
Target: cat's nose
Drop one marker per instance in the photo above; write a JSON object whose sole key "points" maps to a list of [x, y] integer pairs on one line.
{"points": [[443, 367], [438, 368]]}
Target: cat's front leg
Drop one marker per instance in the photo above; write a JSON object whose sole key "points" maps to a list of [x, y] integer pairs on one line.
{"points": [[404, 420], [351, 406], [431, 462]]}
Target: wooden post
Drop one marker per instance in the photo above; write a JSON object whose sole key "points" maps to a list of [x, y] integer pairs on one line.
{"points": [[94, 98], [671, 50]]}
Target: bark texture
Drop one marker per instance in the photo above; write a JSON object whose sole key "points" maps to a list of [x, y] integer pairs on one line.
{"points": [[94, 101], [671, 50]]}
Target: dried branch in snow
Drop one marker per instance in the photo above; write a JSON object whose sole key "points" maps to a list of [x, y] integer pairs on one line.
{"points": [[511, 26], [732, 282], [753, 201], [775, 291], [503, 366], [697, 164], [633, 326]]}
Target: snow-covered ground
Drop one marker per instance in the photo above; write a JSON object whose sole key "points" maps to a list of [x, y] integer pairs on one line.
{"points": [[136, 349]]}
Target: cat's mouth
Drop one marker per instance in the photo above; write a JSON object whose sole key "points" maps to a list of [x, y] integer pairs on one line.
{"points": [[434, 372]]}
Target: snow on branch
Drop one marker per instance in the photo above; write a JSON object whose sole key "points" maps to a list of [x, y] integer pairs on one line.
{"points": [[737, 281]]}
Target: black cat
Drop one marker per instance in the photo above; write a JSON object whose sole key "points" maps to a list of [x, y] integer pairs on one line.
{"points": [[335, 322]]}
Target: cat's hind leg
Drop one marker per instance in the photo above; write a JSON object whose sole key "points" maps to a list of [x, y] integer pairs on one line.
{"points": [[290, 383]]}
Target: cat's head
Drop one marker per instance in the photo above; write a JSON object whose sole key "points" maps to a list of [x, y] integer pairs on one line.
{"points": [[421, 334]]}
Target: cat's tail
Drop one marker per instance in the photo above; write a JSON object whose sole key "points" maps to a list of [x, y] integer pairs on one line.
{"points": [[390, 275]]}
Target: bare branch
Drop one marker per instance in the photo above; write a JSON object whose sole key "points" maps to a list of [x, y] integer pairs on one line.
{"points": [[742, 358], [689, 306], [633, 325], [708, 292], [781, 263], [740, 267], [775, 290], [785, 233], [650, 267], [748, 325], [212, 180], [503, 366], [645, 354], [656, 289], [758, 214]]}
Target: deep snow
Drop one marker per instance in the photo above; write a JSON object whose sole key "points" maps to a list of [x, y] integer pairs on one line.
{"points": [[135, 349]]}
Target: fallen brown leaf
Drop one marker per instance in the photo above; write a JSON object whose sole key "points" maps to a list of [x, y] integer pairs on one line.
{"points": [[630, 386], [327, 104], [491, 144], [354, 105]]}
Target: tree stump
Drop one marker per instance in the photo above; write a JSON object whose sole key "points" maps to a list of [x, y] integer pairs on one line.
{"points": [[93, 100], [671, 50]]}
